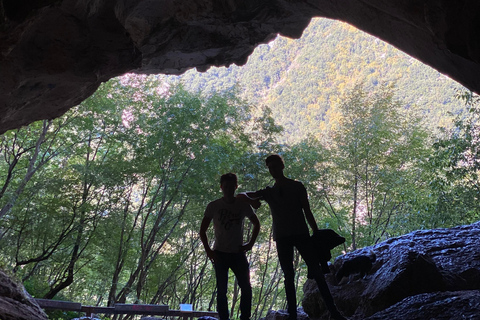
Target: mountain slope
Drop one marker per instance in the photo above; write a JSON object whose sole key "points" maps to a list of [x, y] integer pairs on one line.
{"points": [[301, 79]]}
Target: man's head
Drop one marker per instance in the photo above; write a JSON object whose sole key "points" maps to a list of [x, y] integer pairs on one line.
{"points": [[275, 165], [228, 183]]}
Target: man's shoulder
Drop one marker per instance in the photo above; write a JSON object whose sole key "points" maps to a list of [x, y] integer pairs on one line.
{"points": [[242, 204], [214, 202], [220, 202], [295, 183], [244, 207]]}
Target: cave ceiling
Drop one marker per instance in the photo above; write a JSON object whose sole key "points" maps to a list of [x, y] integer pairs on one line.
{"points": [[54, 54]]}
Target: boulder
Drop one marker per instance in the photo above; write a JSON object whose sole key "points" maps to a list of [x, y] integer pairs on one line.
{"points": [[283, 315], [437, 305], [16, 303], [420, 265]]}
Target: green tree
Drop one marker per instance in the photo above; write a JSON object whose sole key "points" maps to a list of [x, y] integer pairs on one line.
{"points": [[375, 147], [113, 215], [455, 164]]}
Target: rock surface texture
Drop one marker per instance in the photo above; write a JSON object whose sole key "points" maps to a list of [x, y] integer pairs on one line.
{"points": [[15, 303], [55, 53], [433, 274]]}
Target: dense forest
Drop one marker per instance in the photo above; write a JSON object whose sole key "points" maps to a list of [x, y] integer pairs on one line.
{"points": [[300, 80], [104, 204]]}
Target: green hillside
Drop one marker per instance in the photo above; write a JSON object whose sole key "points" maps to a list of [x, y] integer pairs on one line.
{"points": [[301, 79]]}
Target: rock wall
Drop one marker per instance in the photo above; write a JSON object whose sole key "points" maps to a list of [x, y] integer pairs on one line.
{"points": [[431, 274], [55, 53]]}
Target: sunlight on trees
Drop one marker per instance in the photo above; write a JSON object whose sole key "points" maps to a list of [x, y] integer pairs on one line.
{"points": [[103, 205]]}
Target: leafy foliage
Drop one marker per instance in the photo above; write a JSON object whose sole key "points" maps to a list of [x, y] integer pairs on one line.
{"points": [[455, 163], [376, 149], [113, 215], [300, 80]]}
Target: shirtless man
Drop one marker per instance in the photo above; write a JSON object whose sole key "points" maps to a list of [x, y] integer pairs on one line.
{"points": [[229, 251]]}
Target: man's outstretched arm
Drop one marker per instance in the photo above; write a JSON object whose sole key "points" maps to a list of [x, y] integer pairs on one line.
{"points": [[252, 198]]}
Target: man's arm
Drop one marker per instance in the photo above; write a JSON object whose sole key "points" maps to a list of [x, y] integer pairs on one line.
{"points": [[308, 212], [252, 198], [203, 236], [255, 232]]}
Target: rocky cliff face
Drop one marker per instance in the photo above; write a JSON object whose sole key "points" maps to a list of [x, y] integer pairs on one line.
{"points": [[55, 53], [432, 274]]}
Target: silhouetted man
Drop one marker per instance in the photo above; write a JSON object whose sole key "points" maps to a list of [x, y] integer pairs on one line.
{"points": [[289, 206], [228, 214]]}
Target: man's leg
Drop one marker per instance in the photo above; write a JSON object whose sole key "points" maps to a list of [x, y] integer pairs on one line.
{"points": [[221, 274], [285, 256], [304, 246], [242, 272]]}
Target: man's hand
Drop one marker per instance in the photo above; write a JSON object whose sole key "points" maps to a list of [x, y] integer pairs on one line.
{"points": [[255, 203], [211, 255], [246, 247]]}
